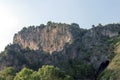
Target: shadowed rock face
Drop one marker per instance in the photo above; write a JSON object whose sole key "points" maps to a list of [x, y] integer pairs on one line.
{"points": [[51, 37], [103, 65]]}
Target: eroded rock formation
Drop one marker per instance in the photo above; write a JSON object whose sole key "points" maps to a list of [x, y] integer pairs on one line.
{"points": [[51, 37]]}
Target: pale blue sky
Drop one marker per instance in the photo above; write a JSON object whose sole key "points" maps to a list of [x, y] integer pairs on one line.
{"points": [[15, 14]]}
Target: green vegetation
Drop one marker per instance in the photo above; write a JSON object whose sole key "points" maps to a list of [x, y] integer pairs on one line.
{"points": [[52, 73], [24, 29], [115, 41], [47, 72], [79, 70], [112, 72], [24, 74], [7, 74]]}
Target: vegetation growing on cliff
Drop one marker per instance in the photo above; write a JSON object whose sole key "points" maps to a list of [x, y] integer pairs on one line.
{"points": [[112, 72], [73, 51]]}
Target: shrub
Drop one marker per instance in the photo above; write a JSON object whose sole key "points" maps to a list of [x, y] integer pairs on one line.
{"points": [[24, 74], [7, 74]]}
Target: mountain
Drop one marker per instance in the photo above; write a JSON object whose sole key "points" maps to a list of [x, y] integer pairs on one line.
{"points": [[81, 53], [112, 72]]}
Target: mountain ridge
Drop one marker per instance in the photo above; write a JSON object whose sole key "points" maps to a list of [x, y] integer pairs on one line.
{"points": [[66, 46]]}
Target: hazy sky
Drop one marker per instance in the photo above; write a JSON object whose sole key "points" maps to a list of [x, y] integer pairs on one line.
{"points": [[15, 14]]}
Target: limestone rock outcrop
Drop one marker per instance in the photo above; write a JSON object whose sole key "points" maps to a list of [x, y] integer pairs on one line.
{"points": [[51, 37]]}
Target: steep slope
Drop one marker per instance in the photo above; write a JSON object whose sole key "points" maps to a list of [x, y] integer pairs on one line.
{"points": [[51, 37], [112, 72], [78, 52]]}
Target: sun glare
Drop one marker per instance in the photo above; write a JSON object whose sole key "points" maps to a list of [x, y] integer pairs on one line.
{"points": [[8, 22], [6, 18]]}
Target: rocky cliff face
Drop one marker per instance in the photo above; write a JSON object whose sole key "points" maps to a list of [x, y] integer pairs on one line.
{"points": [[51, 37], [112, 72], [96, 42], [66, 46]]}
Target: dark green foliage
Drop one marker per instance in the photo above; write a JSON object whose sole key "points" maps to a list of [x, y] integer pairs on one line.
{"points": [[28, 49], [24, 29], [100, 25], [47, 72], [7, 74], [106, 75], [49, 23], [52, 73], [75, 25], [114, 41], [80, 70], [24, 74], [112, 72]]}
